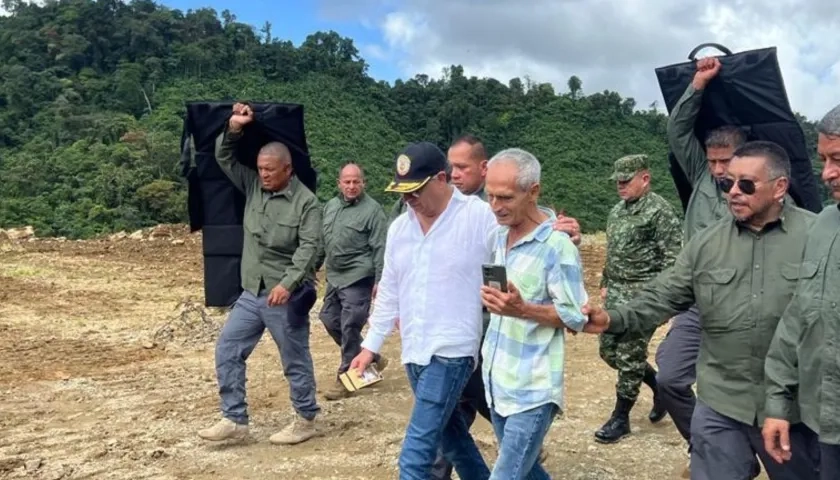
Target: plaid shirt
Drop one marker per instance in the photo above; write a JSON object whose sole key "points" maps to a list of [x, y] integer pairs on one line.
{"points": [[523, 360]]}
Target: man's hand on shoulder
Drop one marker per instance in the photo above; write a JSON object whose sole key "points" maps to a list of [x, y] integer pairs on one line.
{"points": [[242, 115], [707, 69], [568, 225]]}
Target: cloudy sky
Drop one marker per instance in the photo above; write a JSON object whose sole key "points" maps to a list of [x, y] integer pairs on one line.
{"points": [[609, 44]]}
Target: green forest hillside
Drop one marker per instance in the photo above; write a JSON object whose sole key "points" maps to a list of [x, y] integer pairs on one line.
{"points": [[92, 99]]}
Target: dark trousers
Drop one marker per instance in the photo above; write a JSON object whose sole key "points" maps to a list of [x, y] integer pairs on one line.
{"points": [[676, 358], [829, 461], [725, 449], [344, 314]]}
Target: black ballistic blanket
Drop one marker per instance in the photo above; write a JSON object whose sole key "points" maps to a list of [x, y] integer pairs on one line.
{"points": [[748, 92], [215, 206]]}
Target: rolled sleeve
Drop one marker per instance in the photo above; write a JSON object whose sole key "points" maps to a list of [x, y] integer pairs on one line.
{"points": [[566, 287]]}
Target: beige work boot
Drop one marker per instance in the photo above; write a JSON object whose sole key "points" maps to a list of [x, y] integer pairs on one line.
{"points": [[226, 429], [300, 430], [337, 391]]}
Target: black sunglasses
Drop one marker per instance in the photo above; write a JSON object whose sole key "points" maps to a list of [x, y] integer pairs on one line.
{"points": [[746, 186]]}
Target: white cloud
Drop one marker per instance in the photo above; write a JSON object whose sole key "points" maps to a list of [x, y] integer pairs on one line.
{"points": [[611, 44], [373, 51]]}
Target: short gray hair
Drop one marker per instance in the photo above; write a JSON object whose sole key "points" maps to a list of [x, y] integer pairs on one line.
{"points": [[276, 150], [527, 164], [830, 123]]}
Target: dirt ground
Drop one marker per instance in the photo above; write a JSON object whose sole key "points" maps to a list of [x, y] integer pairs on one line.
{"points": [[107, 372]]}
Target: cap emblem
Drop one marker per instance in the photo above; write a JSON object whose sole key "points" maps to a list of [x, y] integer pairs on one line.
{"points": [[403, 164]]}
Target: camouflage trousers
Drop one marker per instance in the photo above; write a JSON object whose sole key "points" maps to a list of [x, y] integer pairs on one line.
{"points": [[626, 353]]}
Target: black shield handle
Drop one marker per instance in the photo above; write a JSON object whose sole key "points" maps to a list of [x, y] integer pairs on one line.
{"points": [[708, 44]]}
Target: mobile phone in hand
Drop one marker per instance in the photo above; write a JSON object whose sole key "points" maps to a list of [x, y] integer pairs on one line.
{"points": [[495, 276]]}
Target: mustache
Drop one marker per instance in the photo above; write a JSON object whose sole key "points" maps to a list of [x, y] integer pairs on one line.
{"points": [[833, 184]]}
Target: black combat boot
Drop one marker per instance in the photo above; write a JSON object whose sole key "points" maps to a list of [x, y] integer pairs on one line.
{"points": [[658, 411], [618, 426]]}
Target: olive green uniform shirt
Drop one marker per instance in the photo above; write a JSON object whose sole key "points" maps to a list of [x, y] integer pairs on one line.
{"points": [[354, 240], [282, 230], [741, 281], [804, 358], [706, 204]]}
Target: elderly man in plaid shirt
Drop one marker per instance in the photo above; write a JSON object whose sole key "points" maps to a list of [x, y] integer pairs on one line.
{"points": [[523, 350]]}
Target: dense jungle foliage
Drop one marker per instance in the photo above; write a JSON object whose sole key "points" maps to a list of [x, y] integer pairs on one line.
{"points": [[92, 99]]}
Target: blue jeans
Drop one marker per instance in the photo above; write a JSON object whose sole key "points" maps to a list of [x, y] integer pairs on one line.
{"points": [[289, 327], [520, 437], [436, 422]]}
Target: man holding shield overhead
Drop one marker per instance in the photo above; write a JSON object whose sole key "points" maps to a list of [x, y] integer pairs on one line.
{"points": [[282, 235]]}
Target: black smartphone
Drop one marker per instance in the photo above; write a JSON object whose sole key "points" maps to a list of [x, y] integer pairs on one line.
{"points": [[495, 276]]}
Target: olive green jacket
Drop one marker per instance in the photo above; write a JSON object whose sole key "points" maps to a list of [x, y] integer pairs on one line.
{"points": [[741, 281], [803, 364], [282, 230]]}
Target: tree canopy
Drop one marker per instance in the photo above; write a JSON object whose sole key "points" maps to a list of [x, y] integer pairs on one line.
{"points": [[92, 97]]}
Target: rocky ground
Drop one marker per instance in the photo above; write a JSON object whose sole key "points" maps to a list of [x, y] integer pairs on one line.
{"points": [[108, 373]]}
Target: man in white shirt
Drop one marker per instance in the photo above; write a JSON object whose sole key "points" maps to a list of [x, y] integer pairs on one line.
{"points": [[433, 258]]}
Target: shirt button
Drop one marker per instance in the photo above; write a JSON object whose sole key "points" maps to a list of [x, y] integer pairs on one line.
{"points": [[757, 266], [755, 296], [833, 304]]}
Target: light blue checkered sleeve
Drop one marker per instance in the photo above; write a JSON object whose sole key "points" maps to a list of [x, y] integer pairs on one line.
{"points": [[565, 283]]}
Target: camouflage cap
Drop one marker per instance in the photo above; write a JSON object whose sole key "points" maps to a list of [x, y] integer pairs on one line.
{"points": [[626, 167]]}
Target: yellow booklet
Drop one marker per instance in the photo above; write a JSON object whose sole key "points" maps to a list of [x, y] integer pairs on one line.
{"points": [[352, 381]]}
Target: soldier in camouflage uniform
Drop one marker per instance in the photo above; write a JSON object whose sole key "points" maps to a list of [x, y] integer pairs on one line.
{"points": [[644, 236]]}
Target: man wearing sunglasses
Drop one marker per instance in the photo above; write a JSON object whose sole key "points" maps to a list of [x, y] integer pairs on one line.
{"points": [[432, 273], [741, 272], [802, 367], [704, 166]]}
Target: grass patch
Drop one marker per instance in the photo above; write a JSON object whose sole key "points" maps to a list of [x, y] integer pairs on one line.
{"points": [[23, 271]]}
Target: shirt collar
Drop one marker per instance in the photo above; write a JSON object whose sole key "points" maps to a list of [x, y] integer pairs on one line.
{"points": [[457, 196], [480, 193], [778, 223], [636, 204], [540, 234], [355, 201]]}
